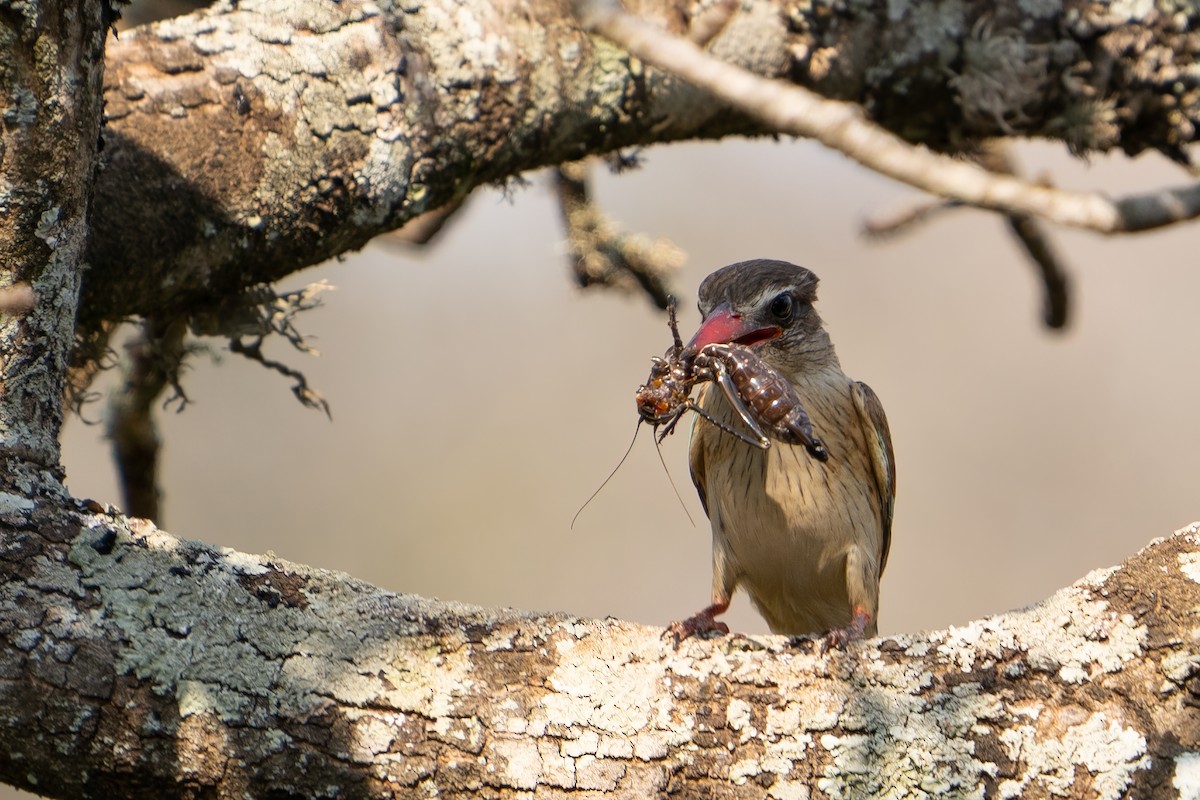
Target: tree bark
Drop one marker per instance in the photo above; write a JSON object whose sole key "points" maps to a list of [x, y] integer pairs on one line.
{"points": [[249, 141], [134, 664], [50, 83]]}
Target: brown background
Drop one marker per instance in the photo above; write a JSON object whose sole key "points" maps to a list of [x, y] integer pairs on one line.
{"points": [[478, 399]]}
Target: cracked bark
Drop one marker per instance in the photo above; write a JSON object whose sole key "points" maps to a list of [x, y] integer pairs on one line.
{"points": [[135, 664], [248, 142]]}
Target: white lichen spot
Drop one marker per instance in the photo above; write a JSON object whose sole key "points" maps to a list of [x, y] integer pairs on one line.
{"points": [[788, 790], [651, 746], [557, 769], [850, 752], [613, 747], [243, 563], [500, 638], [605, 686], [587, 744], [14, 504], [740, 771], [194, 698], [465, 733], [597, 774], [372, 736], [1187, 776], [1189, 564], [48, 228], [1110, 752], [1072, 673], [779, 756], [1181, 665], [738, 717], [909, 745], [517, 762], [1130, 9]]}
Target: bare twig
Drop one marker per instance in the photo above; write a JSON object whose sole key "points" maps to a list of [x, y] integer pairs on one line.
{"points": [[1029, 231], [248, 320], [795, 110], [423, 229], [603, 255], [903, 220], [1037, 243], [156, 355], [308, 396]]}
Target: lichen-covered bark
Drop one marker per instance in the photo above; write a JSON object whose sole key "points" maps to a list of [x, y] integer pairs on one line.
{"points": [[50, 76], [257, 138], [134, 664]]}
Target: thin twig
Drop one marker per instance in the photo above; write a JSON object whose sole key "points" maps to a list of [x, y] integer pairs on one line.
{"points": [[424, 228], [1035, 239], [307, 396], [600, 253], [156, 355], [903, 220], [248, 319], [792, 109], [1029, 231]]}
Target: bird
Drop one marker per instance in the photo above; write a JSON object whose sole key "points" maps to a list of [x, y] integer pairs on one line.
{"points": [[807, 538]]}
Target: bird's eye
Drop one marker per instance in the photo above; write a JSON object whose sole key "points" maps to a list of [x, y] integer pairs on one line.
{"points": [[782, 307]]}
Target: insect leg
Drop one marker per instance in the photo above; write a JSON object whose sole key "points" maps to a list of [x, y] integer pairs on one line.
{"points": [[678, 346], [763, 442], [721, 376], [673, 420]]}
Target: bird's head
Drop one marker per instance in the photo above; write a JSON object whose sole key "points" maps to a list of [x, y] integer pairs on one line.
{"points": [[767, 305]]}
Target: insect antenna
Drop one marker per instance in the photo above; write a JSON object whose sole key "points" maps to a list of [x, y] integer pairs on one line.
{"points": [[674, 488], [658, 448], [637, 429]]}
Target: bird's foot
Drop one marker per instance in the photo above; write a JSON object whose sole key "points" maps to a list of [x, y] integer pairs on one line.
{"points": [[840, 637], [699, 624]]}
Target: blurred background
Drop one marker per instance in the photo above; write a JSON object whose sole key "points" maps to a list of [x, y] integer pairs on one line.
{"points": [[479, 398]]}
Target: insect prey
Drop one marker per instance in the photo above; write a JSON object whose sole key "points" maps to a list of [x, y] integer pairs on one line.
{"points": [[764, 400]]}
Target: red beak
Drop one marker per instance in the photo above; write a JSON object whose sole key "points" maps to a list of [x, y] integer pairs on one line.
{"points": [[725, 326]]}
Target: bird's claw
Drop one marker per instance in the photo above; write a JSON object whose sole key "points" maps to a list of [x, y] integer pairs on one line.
{"points": [[699, 624], [840, 637]]}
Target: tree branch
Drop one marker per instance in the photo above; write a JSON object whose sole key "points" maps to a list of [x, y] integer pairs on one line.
{"points": [[135, 664], [246, 142], [843, 127], [50, 85], [600, 253]]}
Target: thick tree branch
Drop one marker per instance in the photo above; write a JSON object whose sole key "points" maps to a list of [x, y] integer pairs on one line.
{"points": [[50, 97], [844, 127], [135, 664], [247, 142]]}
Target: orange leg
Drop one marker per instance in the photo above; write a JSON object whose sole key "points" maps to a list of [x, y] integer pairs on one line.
{"points": [[840, 637], [701, 623]]}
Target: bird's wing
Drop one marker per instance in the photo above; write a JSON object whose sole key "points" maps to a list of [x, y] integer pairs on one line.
{"points": [[883, 461], [696, 448]]}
